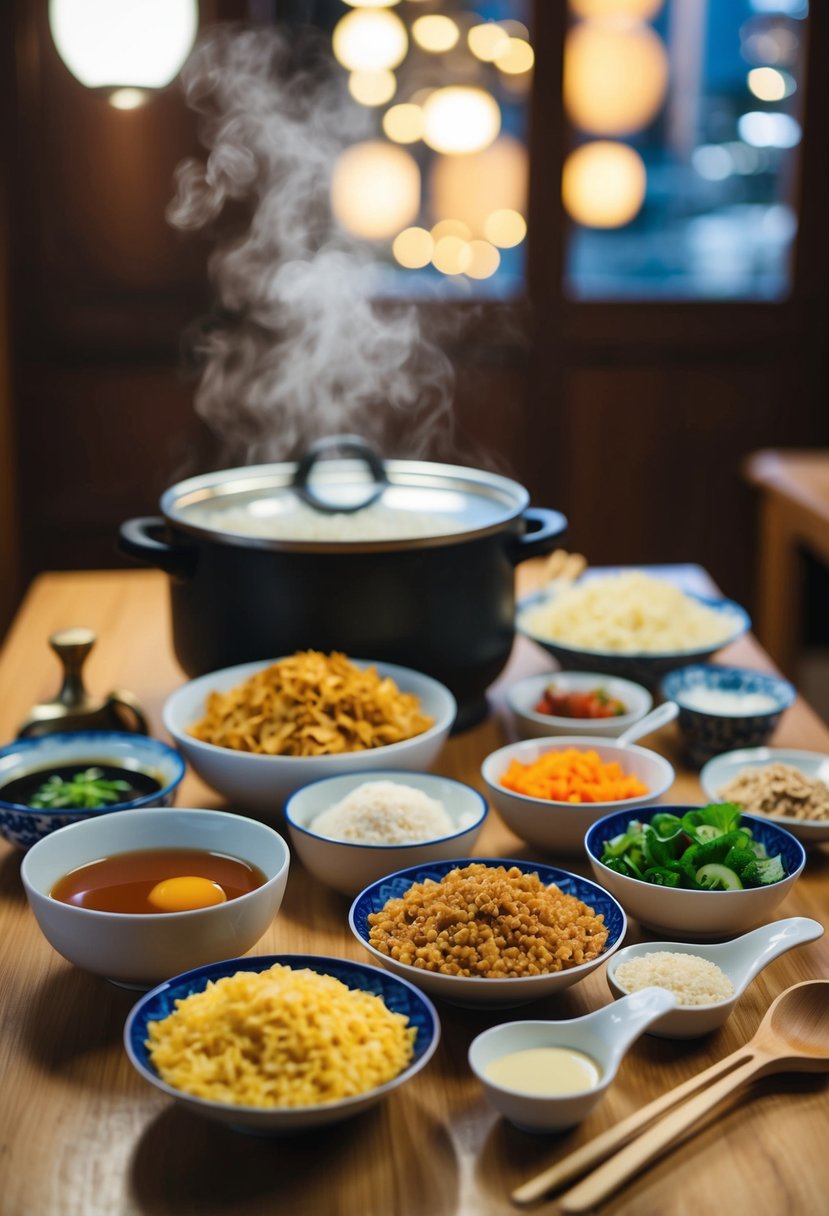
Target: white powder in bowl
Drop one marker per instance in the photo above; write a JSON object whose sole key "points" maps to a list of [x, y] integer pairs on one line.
{"points": [[383, 812], [692, 980]]}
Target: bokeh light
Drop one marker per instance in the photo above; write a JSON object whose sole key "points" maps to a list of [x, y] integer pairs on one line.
{"points": [[372, 88], [372, 3], [128, 99], [637, 10], [482, 260], [435, 33], [505, 228], [472, 187], [370, 40], [413, 248], [133, 43], [615, 76], [403, 123], [770, 84], [460, 119], [451, 255], [375, 189], [518, 57], [488, 41], [451, 227], [603, 184]]}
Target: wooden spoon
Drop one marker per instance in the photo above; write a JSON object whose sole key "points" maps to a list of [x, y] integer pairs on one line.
{"points": [[792, 1037]]}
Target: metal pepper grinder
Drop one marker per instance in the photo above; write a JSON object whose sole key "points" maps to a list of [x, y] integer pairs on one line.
{"points": [[74, 708]]}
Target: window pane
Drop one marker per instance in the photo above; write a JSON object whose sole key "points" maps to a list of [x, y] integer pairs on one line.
{"points": [[685, 115], [439, 186]]}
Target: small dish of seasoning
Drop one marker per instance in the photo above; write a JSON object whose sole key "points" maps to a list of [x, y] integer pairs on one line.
{"points": [[548, 1076], [576, 703], [706, 980]]}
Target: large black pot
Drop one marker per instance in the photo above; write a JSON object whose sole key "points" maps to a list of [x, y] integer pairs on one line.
{"points": [[439, 599]]}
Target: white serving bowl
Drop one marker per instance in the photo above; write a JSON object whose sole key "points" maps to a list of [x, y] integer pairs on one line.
{"points": [[646, 667], [140, 949], [348, 866], [523, 696], [559, 827], [722, 769], [696, 915], [478, 990], [399, 996], [263, 783], [740, 960], [604, 1036]]}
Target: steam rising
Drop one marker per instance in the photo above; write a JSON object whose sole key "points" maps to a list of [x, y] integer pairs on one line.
{"points": [[297, 349]]}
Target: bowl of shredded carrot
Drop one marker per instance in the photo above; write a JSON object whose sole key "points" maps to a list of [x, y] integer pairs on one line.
{"points": [[549, 791]]}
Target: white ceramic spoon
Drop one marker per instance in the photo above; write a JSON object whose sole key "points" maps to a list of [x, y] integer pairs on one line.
{"points": [[604, 1035], [741, 960], [661, 716]]}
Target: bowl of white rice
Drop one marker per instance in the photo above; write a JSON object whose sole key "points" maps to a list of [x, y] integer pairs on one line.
{"points": [[350, 830]]}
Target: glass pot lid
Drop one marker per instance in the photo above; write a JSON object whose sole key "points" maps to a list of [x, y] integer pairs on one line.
{"points": [[356, 502]]}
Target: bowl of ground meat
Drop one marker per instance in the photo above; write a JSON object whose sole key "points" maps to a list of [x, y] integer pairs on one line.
{"points": [[488, 931]]}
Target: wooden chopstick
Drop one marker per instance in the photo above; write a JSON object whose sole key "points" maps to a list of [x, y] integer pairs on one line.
{"points": [[600, 1148], [564, 567]]}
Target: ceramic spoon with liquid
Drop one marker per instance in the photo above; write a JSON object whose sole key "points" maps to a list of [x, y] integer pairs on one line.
{"points": [[792, 1037]]}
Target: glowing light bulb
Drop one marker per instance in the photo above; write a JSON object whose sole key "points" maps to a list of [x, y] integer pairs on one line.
{"points": [[375, 189], [488, 41], [603, 184], [460, 119], [137, 43], [435, 33], [370, 40], [372, 88], [615, 76], [403, 123], [413, 248]]}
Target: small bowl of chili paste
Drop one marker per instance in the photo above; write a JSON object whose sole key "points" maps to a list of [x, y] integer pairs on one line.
{"points": [[51, 781], [576, 702]]}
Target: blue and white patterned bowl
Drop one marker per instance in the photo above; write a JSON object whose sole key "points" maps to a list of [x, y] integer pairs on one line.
{"points": [[399, 997], [24, 826], [708, 733], [645, 667], [695, 915], [478, 990]]}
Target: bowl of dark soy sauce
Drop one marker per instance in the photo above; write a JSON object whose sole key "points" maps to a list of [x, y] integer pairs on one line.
{"points": [[51, 781]]}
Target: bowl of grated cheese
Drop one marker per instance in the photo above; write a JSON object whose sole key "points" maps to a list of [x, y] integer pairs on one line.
{"points": [[350, 830]]}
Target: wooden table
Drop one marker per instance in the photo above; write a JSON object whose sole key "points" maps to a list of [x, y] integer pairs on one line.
{"points": [[82, 1135], [794, 515]]}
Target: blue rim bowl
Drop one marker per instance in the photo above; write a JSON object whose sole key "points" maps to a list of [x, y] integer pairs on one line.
{"points": [[23, 825], [398, 995]]}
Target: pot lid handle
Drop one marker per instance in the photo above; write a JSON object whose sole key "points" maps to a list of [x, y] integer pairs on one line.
{"points": [[352, 445]]}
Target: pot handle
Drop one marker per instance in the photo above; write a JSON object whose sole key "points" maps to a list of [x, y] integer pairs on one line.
{"points": [[138, 538], [352, 444], [539, 540]]}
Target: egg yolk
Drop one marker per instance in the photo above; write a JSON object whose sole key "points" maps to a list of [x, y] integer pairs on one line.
{"points": [[185, 894]]}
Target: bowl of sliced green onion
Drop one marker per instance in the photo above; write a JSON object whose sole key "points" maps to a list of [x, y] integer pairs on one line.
{"points": [[51, 781], [698, 872]]}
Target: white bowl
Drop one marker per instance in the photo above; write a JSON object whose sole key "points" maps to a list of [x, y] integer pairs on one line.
{"points": [[696, 915], [478, 990], [740, 960], [523, 696], [348, 866], [559, 827], [604, 1036], [722, 769], [141, 949], [263, 783], [399, 996]]}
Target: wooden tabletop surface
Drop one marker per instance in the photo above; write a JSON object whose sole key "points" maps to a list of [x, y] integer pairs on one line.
{"points": [[82, 1135]]}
